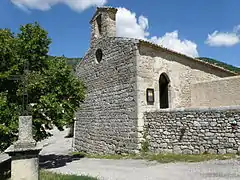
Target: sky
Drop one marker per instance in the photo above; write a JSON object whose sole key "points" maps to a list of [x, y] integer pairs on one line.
{"points": [[199, 28]]}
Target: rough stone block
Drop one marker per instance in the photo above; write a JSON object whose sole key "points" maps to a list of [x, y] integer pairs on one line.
{"points": [[177, 150], [231, 151], [222, 151]]}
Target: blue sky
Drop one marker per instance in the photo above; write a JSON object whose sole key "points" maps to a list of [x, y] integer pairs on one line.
{"points": [[196, 28]]}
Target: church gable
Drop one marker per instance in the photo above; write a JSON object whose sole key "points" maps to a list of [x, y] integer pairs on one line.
{"points": [[181, 72], [150, 49]]}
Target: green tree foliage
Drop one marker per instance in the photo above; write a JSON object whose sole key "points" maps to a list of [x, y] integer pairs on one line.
{"points": [[54, 92]]}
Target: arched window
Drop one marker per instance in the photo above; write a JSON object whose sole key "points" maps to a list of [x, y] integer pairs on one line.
{"points": [[163, 91]]}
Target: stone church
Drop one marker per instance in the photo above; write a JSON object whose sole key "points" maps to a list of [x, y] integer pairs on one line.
{"points": [[138, 89]]}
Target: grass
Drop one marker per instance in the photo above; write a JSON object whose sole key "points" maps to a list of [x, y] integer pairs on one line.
{"points": [[168, 158], [162, 158], [45, 175]]}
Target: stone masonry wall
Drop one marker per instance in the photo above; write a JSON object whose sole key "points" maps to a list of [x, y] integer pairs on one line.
{"points": [[181, 71], [108, 25], [193, 131], [107, 122], [151, 63], [222, 92]]}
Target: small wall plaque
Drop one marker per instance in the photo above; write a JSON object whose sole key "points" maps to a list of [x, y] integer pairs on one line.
{"points": [[150, 96]]}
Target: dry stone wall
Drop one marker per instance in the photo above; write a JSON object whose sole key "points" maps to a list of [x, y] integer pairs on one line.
{"points": [[107, 122], [193, 131]]}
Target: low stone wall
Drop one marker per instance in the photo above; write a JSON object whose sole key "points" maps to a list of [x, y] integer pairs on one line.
{"points": [[193, 131]]}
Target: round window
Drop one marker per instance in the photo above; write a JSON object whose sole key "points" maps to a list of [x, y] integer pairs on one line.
{"points": [[99, 55]]}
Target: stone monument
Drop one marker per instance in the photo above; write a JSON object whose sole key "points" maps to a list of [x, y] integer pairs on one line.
{"points": [[24, 153]]}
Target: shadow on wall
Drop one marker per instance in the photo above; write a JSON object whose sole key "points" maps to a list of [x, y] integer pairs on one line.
{"points": [[5, 168], [55, 161]]}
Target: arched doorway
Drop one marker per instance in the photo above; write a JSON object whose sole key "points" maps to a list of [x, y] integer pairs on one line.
{"points": [[163, 91]]}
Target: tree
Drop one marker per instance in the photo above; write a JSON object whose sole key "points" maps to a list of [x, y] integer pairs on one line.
{"points": [[54, 92]]}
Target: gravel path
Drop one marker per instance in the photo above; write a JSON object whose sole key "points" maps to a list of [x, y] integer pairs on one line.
{"points": [[138, 169], [142, 170], [57, 144]]}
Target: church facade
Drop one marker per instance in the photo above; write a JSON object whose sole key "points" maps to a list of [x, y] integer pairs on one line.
{"points": [[128, 79]]}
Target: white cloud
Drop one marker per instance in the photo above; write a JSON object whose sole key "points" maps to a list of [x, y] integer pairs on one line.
{"points": [[226, 39], [128, 25], [172, 41], [236, 29], [44, 5]]}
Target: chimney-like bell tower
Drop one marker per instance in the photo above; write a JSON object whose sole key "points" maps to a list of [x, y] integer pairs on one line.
{"points": [[103, 23]]}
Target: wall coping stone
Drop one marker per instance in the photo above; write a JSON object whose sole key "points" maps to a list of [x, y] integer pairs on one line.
{"points": [[201, 109], [217, 80]]}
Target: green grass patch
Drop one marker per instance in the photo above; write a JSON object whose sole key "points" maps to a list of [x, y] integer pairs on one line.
{"points": [[168, 158], [104, 156], [45, 175], [162, 158]]}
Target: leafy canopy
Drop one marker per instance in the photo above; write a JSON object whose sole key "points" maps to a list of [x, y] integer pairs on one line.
{"points": [[54, 92]]}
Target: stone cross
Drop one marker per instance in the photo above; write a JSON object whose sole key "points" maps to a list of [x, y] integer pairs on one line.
{"points": [[24, 80], [24, 153]]}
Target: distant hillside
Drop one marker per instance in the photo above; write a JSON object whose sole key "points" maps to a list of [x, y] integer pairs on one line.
{"points": [[221, 64], [71, 61]]}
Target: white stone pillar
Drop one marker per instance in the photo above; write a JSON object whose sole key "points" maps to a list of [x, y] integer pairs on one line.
{"points": [[24, 153]]}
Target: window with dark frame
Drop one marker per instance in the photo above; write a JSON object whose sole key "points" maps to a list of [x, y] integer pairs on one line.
{"points": [[150, 96]]}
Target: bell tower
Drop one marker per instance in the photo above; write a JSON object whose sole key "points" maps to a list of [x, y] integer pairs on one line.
{"points": [[103, 23]]}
